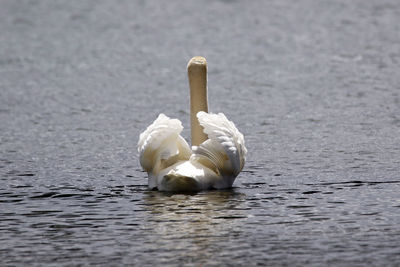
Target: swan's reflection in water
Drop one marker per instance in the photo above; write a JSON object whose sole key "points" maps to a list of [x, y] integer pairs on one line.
{"points": [[197, 225]]}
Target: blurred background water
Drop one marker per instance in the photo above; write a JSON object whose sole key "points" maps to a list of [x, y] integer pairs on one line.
{"points": [[313, 85]]}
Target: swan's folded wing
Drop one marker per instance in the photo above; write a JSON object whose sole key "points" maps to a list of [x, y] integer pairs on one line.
{"points": [[161, 145], [225, 147]]}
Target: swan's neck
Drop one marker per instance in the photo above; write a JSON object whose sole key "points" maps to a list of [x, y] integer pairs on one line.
{"points": [[197, 72]]}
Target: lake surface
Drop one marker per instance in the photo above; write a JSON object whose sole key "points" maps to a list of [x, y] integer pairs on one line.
{"points": [[313, 85]]}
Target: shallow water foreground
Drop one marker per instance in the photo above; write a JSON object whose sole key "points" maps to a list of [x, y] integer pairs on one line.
{"points": [[313, 86], [333, 223]]}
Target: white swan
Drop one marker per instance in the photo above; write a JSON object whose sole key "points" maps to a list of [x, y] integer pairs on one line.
{"points": [[218, 152]]}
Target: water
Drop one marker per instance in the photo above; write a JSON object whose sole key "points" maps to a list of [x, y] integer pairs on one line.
{"points": [[314, 86]]}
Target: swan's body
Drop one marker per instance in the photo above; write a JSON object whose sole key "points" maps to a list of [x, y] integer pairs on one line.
{"points": [[216, 158]]}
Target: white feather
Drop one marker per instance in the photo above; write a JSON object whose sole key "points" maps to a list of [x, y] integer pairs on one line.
{"points": [[224, 132], [161, 146], [171, 166]]}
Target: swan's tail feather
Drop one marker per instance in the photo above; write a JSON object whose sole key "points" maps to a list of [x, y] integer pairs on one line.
{"points": [[210, 154], [179, 183]]}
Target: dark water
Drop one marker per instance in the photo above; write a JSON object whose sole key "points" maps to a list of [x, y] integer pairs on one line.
{"points": [[313, 85]]}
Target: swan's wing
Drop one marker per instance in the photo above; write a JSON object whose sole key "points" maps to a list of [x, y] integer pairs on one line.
{"points": [[161, 145], [225, 147]]}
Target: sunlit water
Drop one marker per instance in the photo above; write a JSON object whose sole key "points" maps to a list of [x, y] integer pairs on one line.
{"points": [[313, 86]]}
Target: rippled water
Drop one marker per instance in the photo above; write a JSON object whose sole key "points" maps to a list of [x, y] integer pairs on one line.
{"points": [[314, 86]]}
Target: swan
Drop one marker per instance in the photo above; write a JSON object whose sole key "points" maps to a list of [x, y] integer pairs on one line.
{"points": [[218, 151]]}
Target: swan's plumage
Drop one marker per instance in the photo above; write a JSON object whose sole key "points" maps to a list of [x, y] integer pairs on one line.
{"points": [[173, 166], [160, 146], [223, 134]]}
